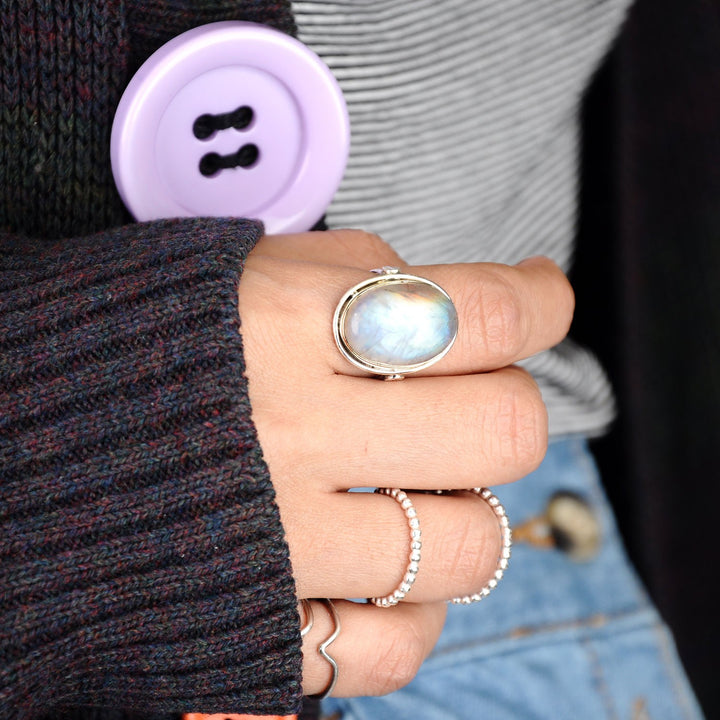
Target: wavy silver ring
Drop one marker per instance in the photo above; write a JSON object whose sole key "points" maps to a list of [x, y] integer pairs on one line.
{"points": [[413, 566], [309, 617], [504, 556], [394, 324], [323, 646]]}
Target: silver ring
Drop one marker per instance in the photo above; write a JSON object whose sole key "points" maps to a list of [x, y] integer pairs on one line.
{"points": [[309, 617], [415, 547], [323, 646], [504, 556], [395, 323]]}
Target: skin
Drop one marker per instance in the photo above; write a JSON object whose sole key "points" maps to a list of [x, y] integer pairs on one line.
{"points": [[471, 419]]}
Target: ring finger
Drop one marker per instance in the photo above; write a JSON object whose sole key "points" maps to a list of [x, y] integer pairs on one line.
{"points": [[362, 545]]}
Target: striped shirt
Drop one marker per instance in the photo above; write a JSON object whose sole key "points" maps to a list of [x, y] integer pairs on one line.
{"points": [[465, 119]]}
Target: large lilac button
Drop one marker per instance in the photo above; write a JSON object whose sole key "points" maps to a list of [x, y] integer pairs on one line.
{"points": [[231, 119]]}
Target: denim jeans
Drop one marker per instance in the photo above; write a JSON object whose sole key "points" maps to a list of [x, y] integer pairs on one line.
{"points": [[557, 639]]}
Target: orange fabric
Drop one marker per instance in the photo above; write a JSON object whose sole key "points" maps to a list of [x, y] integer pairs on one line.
{"points": [[234, 716]]}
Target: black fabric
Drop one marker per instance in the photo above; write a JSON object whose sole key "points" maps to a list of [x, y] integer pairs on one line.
{"points": [[648, 282]]}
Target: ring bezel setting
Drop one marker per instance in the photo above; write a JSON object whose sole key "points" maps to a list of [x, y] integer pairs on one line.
{"points": [[431, 303]]}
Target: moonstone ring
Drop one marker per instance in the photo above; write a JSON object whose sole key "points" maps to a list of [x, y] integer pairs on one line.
{"points": [[395, 323]]}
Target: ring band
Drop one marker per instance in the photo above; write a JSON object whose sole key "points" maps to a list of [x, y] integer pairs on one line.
{"points": [[406, 584], [394, 323], [309, 617], [323, 646], [504, 556]]}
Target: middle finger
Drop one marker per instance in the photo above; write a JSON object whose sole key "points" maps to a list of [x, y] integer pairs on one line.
{"points": [[423, 433]]}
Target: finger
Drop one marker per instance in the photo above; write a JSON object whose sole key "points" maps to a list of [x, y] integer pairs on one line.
{"points": [[361, 546], [377, 650], [420, 433], [351, 248], [505, 313], [508, 313]]}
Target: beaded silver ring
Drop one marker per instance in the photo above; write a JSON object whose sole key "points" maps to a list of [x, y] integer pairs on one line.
{"points": [[504, 556], [401, 497]]}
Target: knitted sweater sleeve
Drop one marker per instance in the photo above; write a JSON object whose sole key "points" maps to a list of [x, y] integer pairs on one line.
{"points": [[142, 560]]}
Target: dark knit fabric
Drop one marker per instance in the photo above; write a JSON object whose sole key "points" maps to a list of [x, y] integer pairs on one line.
{"points": [[142, 563], [63, 70], [142, 559], [64, 65], [151, 24]]}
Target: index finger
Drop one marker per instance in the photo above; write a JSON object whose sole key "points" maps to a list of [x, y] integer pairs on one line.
{"points": [[505, 313]]}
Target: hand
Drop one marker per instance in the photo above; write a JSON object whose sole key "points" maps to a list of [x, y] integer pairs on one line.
{"points": [[471, 419]]}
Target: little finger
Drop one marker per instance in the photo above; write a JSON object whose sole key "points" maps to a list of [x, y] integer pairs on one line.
{"points": [[376, 651]]}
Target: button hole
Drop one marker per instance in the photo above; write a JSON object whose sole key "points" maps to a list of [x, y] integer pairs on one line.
{"points": [[247, 156], [207, 124], [212, 163], [241, 118], [203, 127]]}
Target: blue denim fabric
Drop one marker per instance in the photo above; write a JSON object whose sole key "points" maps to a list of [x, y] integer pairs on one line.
{"points": [[557, 640]]}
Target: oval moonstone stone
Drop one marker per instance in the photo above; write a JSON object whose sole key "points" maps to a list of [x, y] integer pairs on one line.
{"points": [[399, 324]]}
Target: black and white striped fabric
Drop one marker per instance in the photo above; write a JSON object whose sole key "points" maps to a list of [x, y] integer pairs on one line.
{"points": [[464, 121]]}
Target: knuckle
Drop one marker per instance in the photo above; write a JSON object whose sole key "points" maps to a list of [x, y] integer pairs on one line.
{"points": [[495, 311], [471, 549], [468, 551], [400, 655], [371, 240], [521, 423], [361, 245]]}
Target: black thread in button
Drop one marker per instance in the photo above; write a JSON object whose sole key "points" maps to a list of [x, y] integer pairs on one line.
{"points": [[207, 125], [213, 163]]}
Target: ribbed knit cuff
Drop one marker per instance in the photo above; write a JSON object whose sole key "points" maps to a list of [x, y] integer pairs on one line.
{"points": [[142, 561]]}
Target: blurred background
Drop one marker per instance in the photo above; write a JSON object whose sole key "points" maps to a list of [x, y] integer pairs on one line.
{"points": [[647, 274]]}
